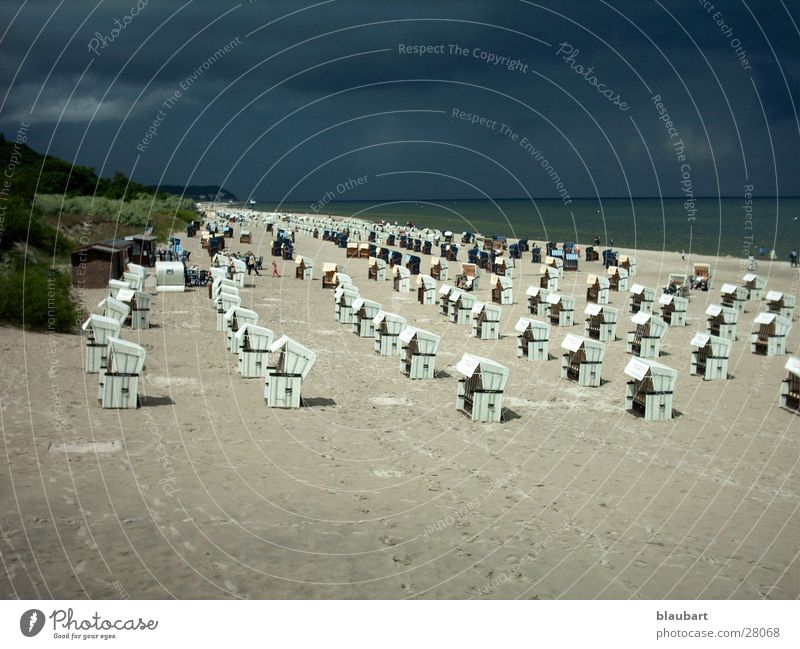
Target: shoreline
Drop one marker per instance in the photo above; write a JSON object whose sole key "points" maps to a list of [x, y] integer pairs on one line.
{"points": [[690, 257]]}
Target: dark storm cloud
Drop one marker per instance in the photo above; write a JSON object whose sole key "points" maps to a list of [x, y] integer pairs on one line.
{"points": [[294, 74]]}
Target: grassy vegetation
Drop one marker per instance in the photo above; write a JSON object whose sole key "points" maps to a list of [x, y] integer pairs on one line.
{"points": [[114, 217], [41, 214]]}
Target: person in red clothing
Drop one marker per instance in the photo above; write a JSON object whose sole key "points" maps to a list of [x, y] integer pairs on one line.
{"points": [[275, 269]]}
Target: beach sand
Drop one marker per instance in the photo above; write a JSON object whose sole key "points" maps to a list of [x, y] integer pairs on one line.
{"points": [[380, 488]]}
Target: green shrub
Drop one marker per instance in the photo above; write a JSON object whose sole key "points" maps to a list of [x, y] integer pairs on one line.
{"points": [[137, 212], [38, 298]]}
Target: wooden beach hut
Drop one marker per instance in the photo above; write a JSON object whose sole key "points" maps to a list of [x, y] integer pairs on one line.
{"points": [[790, 387], [376, 270], [98, 330], [617, 279], [710, 358], [562, 309], [502, 289], [252, 344], [119, 379], [533, 341], [426, 289], [485, 321], [645, 341], [641, 298], [365, 310], [733, 296], [601, 322], [673, 309], [480, 392], [537, 301], [304, 268], [583, 360], [387, 331], [649, 393], [722, 321], [418, 353], [292, 364], [769, 339]]}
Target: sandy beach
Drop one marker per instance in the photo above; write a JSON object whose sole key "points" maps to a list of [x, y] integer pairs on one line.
{"points": [[380, 488]]}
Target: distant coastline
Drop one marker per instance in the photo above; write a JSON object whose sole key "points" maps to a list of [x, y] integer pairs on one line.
{"points": [[722, 227]]}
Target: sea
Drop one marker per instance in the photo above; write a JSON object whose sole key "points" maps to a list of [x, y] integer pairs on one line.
{"points": [[735, 227]]}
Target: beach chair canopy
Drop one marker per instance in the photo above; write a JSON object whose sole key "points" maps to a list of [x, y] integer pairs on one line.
{"points": [[401, 271], [116, 309], [101, 328], [126, 295], [593, 350], [426, 281], [394, 323], [241, 315], [469, 270], [754, 281], [593, 309], [666, 298], [228, 298], [445, 289], [260, 337], [369, 307], [342, 278], [728, 289], [427, 342], [780, 325], [308, 262], [125, 357], [729, 315], [297, 358], [663, 378], [455, 294], [329, 267], [602, 282], [493, 375], [345, 292], [533, 291], [535, 326], [502, 282], [492, 311], [719, 347], [554, 298]]}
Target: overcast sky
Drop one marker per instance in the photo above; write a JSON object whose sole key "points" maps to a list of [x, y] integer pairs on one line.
{"points": [[308, 95]]}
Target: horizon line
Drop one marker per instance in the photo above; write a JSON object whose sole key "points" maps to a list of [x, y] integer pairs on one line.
{"points": [[510, 198]]}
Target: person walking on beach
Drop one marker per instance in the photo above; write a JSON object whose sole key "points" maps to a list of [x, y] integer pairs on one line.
{"points": [[251, 263], [275, 269], [793, 258]]}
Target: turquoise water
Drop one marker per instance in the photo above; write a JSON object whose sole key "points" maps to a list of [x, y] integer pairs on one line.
{"points": [[720, 227]]}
